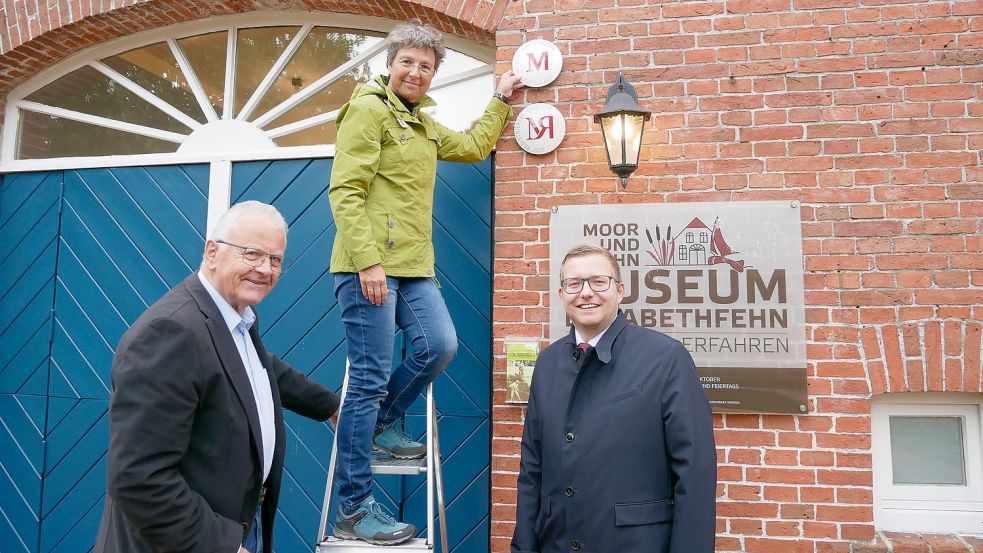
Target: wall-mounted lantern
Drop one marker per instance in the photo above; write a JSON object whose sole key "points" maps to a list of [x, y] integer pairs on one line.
{"points": [[622, 121]]}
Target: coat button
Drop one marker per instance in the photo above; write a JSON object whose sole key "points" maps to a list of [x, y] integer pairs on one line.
{"points": [[569, 437], [402, 136], [575, 545], [429, 272], [392, 224], [390, 244], [569, 492]]}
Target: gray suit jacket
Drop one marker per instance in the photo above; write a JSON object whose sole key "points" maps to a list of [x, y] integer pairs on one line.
{"points": [[184, 463], [617, 451]]}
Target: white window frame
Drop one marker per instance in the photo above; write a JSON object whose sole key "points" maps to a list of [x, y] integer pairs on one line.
{"points": [[169, 34], [928, 508]]}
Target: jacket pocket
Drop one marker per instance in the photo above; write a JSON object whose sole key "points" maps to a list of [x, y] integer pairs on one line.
{"points": [[627, 394], [650, 512], [400, 135]]}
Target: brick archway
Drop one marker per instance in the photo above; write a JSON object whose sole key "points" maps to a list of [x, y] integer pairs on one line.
{"points": [[32, 39]]}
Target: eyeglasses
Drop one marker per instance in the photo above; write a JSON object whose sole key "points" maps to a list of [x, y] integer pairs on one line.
{"points": [[255, 257], [597, 283], [408, 64]]}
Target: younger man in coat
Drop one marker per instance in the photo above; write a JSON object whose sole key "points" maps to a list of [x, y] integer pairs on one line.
{"points": [[617, 451]]}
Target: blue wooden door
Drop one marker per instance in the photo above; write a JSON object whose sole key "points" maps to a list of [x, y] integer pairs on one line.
{"points": [[301, 323], [89, 251], [29, 206]]}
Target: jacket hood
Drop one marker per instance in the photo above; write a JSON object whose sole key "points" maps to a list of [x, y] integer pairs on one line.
{"points": [[380, 87]]}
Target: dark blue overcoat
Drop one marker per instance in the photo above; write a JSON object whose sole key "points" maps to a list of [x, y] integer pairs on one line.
{"points": [[617, 451]]}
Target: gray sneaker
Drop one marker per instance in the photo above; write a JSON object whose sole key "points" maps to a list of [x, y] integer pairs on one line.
{"points": [[371, 523], [397, 444]]}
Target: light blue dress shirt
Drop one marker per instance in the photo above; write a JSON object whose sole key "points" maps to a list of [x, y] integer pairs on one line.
{"points": [[262, 393]]}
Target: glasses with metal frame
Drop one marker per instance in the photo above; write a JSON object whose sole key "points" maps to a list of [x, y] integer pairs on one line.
{"points": [[408, 64], [597, 283], [255, 257]]}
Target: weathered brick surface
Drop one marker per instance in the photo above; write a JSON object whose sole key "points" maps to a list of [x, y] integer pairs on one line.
{"points": [[868, 112]]}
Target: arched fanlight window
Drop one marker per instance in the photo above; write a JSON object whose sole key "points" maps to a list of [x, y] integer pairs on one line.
{"points": [[235, 89]]}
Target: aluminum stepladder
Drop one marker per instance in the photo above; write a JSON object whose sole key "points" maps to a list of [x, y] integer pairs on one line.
{"points": [[327, 543]]}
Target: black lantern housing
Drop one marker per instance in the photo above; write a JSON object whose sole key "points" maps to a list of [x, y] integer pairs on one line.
{"points": [[622, 121]]}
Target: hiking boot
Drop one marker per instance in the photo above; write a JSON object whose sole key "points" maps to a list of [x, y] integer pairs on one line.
{"points": [[398, 444], [371, 523]]}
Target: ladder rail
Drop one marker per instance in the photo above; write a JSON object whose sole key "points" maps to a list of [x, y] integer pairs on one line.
{"points": [[329, 485], [439, 484], [430, 458]]}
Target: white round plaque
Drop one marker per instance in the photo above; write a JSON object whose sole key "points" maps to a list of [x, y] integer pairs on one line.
{"points": [[537, 62], [540, 128]]}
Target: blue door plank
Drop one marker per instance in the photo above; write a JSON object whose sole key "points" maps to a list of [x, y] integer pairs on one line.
{"points": [[457, 218], [20, 286], [21, 462], [186, 186], [28, 237], [466, 481], [303, 183], [24, 347], [122, 246], [468, 314], [32, 261], [459, 438], [75, 479], [472, 183], [81, 536], [80, 354], [26, 198], [304, 301], [108, 275], [163, 194], [476, 540]]}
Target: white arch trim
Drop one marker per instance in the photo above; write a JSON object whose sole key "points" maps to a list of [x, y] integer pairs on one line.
{"points": [[170, 34]]}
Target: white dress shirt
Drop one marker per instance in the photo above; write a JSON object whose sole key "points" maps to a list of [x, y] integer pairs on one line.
{"points": [[593, 341], [262, 393]]}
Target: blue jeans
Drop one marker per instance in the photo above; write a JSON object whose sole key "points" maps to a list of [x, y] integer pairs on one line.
{"points": [[377, 394], [253, 540]]}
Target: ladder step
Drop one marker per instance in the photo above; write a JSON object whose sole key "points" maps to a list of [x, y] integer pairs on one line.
{"points": [[389, 465], [334, 545]]}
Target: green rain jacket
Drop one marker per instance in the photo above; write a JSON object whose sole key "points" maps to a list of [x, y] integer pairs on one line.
{"points": [[383, 176]]}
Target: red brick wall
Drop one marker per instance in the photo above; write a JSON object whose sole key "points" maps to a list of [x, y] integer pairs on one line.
{"points": [[868, 112]]}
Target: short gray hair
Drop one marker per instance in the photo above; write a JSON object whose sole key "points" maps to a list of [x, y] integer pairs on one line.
{"points": [[415, 34], [228, 220]]}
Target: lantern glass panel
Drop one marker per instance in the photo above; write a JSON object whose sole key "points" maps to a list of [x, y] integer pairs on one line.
{"points": [[612, 128], [622, 137], [633, 137]]}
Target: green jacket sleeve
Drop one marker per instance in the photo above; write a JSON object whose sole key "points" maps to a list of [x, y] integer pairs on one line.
{"points": [[357, 154], [476, 145]]}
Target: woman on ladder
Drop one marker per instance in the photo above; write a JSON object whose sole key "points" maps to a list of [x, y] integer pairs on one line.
{"points": [[381, 194]]}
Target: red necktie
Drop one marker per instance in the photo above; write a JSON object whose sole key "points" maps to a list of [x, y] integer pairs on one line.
{"points": [[584, 346]]}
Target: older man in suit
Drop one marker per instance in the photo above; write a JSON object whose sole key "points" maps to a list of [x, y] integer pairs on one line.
{"points": [[617, 451], [196, 441]]}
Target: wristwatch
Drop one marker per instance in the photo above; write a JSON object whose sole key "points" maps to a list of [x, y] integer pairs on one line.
{"points": [[501, 97]]}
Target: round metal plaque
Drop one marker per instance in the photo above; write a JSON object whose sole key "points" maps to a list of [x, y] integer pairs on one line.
{"points": [[537, 62], [540, 128]]}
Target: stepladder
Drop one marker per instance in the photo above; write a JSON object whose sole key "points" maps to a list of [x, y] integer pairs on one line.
{"points": [[430, 466]]}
